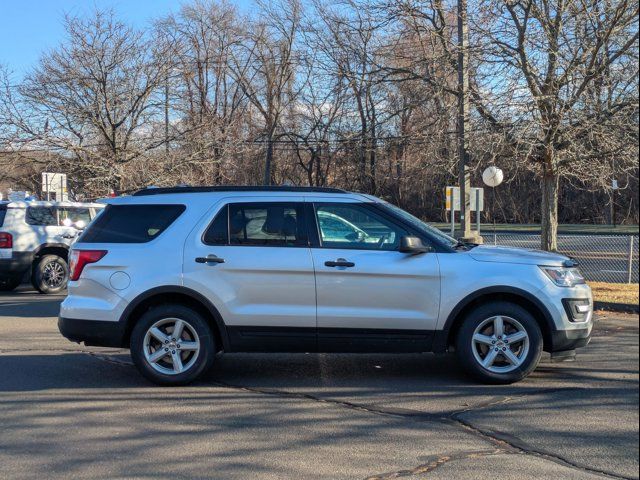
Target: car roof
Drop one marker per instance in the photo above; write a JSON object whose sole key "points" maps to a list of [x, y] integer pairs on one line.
{"points": [[235, 188], [181, 194], [44, 203]]}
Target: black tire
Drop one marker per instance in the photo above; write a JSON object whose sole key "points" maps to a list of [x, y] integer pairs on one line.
{"points": [[465, 345], [41, 278], [9, 284], [203, 359]]}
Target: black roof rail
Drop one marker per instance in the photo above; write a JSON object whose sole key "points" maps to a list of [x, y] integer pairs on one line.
{"points": [[234, 188]]}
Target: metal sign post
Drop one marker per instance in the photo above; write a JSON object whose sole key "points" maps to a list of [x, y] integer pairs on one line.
{"points": [[478, 210], [452, 212], [454, 204]]}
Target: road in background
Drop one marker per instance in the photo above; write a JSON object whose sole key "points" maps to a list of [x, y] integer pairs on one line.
{"points": [[74, 411], [602, 258]]}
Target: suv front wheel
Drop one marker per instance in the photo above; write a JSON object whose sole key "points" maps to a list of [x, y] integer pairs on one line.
{"points": [[499, 342], [172, 345]]}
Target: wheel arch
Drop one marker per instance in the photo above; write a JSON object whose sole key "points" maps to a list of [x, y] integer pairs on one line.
{"points": [[59, 249], [174, 294], [446, 337]]}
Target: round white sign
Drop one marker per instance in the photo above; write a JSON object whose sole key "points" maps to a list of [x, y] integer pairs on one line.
{"points": [[492, 176]]}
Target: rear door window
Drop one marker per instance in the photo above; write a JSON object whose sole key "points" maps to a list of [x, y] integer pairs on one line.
{"points": [[41, 216], [3, 212], [259, 224], [131, 223]]}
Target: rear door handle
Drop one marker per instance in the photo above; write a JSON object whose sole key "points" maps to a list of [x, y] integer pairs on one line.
{"points": [[341, 262], [210, 259]]}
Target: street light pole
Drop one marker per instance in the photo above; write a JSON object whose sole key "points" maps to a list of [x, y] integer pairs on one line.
{"points": [[464, 176]]}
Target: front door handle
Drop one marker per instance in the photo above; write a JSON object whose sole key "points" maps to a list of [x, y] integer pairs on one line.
{"points": [[341, 262], [210, 259]]}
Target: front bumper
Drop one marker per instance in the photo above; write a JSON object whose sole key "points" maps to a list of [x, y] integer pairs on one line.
{"points": [[572, 323], [93, 332], [563, 340]]}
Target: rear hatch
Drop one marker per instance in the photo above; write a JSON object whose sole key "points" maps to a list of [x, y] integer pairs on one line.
{"points": [[125, 243]]}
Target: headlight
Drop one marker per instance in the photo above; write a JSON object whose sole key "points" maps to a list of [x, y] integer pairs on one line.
{"points": [[564, 276]]}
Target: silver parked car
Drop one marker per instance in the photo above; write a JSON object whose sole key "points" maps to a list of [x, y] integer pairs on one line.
{"points": [[179, 274]]}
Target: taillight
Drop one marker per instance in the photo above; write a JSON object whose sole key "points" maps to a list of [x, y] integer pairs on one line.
{"points": [[6, 240], [78, 259]]}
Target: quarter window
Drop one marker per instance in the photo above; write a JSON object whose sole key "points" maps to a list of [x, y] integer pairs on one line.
{"points": [[356, 227], [74, 217], [131, 223]]}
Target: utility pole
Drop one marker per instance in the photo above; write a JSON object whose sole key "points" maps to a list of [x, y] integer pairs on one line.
{"points": [[464, 176], [166, 113]]}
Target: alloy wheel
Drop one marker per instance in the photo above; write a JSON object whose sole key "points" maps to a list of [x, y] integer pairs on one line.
{"points": [[171, 346], [53, 275], [500, 344]]}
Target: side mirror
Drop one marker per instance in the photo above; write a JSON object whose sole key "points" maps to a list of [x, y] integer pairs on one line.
{"points": [[412, 245]]}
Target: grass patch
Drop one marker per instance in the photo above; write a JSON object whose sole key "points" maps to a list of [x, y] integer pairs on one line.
{"points": [[615, 292]]}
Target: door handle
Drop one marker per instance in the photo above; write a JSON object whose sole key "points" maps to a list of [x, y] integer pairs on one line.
{"points": [[341, 262], [210, 259]]}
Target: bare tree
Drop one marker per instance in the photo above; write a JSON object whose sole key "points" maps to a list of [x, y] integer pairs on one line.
{"points": [[265, 67], [92, 97], [206, 99], [350, 93], [551, 54]]}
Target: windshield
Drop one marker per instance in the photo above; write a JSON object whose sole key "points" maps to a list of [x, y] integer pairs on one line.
{"points": [[420, 225]]}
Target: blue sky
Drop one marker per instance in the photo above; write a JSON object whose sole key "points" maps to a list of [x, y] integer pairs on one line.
{"points": [[30, 27]]}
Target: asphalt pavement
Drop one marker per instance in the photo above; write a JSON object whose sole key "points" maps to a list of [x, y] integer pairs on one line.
{"points": [[70, 411]]}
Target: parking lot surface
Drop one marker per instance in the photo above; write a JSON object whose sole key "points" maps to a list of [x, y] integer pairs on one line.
{"points": [[74, 411]]}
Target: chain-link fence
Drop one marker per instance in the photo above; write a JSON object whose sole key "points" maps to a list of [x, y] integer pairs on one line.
{"points": [[602, 258]]}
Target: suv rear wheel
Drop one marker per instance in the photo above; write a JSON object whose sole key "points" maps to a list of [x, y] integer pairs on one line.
{"points": [[8, 284], [172, 345], [50, 274], [499, 342]]}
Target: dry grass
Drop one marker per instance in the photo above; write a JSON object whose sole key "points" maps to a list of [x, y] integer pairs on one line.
{"points": [[615, 292]]}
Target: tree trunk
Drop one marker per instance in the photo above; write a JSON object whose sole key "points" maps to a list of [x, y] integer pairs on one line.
{"points": [[550, 183]]}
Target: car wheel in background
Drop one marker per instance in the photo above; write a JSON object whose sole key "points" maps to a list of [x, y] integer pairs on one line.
{"points": [[499, 343], [172, 345], [50, 274]]}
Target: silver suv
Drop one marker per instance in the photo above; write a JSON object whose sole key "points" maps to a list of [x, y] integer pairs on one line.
{"points": [[35, 238], [179, 274]]}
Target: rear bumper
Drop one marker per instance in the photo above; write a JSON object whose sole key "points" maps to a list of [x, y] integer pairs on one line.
{"points": [[18, 264], [92, 332]]}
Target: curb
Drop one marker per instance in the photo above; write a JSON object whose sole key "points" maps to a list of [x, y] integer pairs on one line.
{"points": [[616, 307]]}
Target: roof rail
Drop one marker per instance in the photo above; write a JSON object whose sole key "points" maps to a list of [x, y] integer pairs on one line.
{"points": [[237, 188]]}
